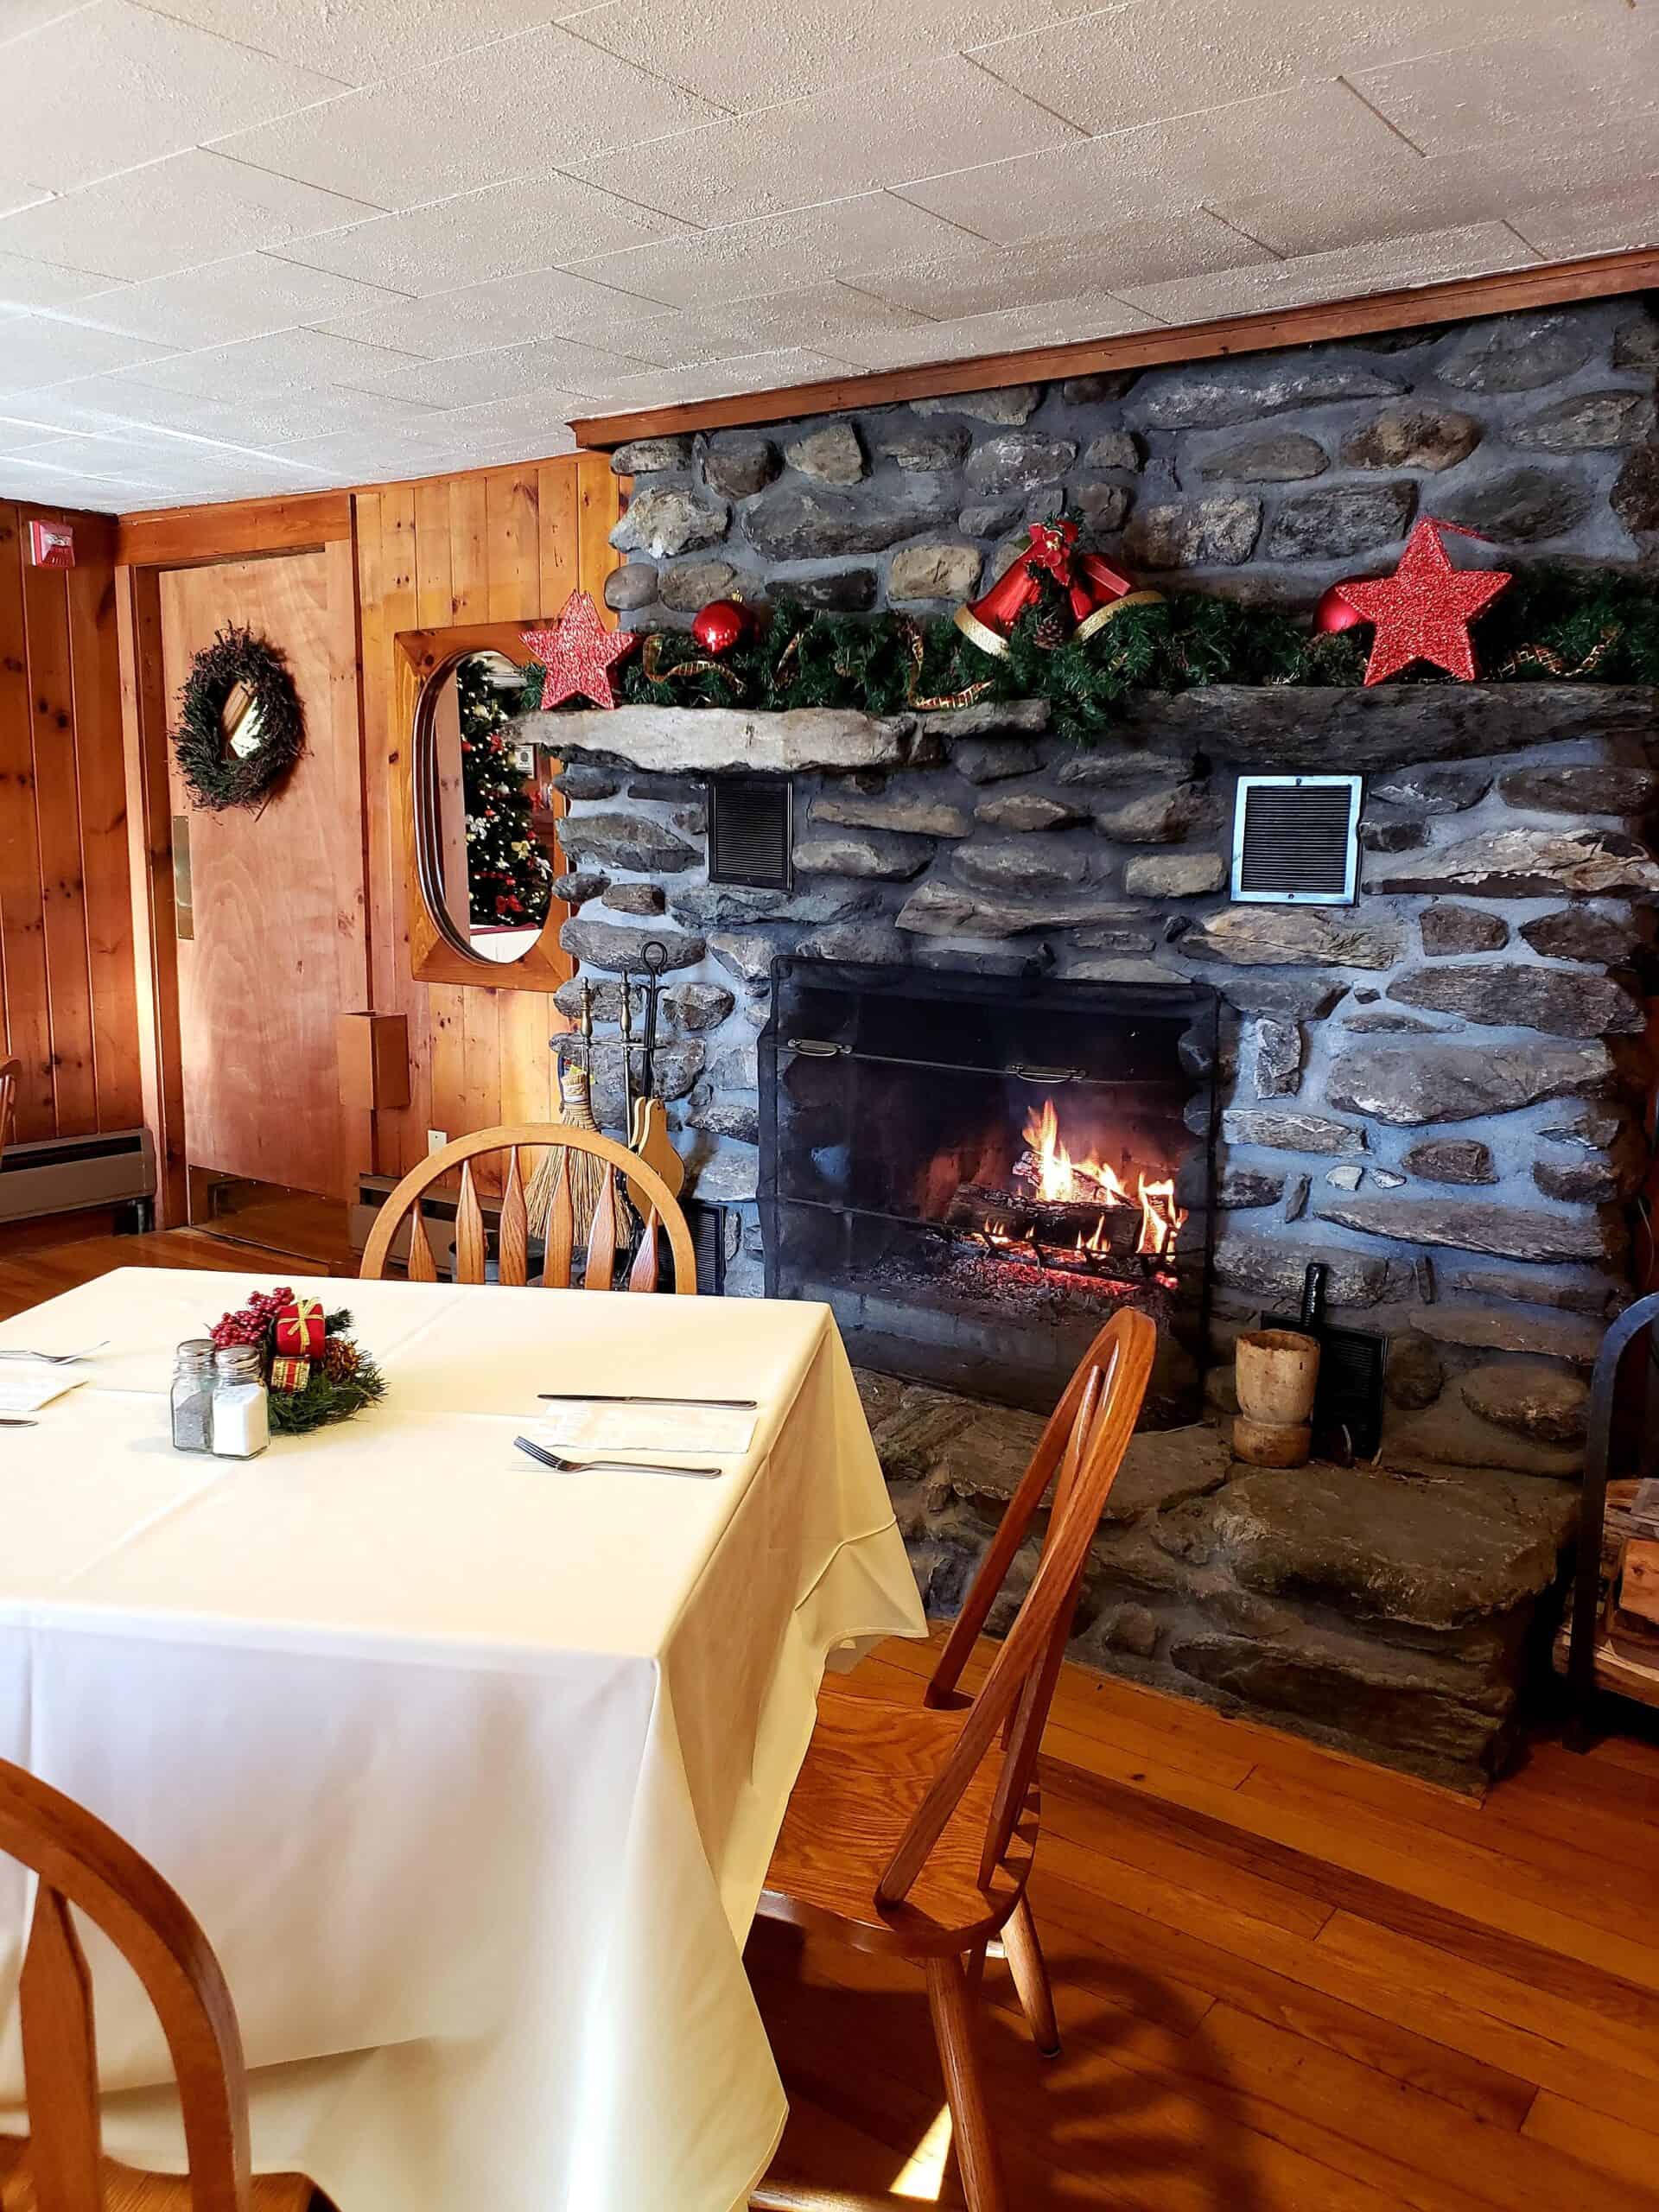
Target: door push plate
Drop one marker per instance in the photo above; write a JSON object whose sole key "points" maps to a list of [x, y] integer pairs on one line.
{"points": [[184, 913]]}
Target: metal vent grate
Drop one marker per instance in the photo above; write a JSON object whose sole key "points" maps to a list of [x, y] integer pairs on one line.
{"points": [[749, 831], [1295, 838]]}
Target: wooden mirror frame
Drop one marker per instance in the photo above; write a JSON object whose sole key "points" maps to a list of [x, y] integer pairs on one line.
{"points": [[423, 658]]}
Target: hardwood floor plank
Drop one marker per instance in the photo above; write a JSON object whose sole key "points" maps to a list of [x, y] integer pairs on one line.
{"points": [[1609, 2146], [1593, 2033], [1116, 1949]]}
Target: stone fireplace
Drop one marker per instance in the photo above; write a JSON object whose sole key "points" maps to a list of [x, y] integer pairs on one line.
{"points": [[1439, 1090]]}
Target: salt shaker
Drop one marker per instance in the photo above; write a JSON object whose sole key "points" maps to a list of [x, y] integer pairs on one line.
{"points": [[192, 1395], [241, 1420]]}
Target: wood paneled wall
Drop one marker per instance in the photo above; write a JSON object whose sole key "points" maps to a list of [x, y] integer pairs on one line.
{"points": [[495, 546], [66, 987]]}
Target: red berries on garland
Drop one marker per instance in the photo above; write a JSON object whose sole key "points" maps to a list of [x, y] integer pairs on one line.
{"points": [[251, 1324]]}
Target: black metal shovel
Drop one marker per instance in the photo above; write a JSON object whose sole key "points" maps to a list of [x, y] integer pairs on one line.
{"points": [[1348, 1402]]}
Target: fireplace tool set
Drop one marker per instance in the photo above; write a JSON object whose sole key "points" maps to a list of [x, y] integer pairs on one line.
{"points": [[644, 1117]]}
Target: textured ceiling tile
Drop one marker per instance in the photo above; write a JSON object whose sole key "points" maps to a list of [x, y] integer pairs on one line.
{"points": [[155, 85], [42, 284], [876, 229], [285, 361], [49, 481], [171, 215], [538, 303], [38, 350], [224, 300], [120, 404], [502, 373], [472, 121], [359, 43], [1009, 330], [1602, 221], [742, 372], [1605, 72], [857, 139], [1386, 265], [992, 277], [532, 223], [17, 192], [17, 16], [749, 54], [1147, 59], [1040, 195]]}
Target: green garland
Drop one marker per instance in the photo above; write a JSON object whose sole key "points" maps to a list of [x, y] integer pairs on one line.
{"points": [[329, 1397], [1552, 625], [217, 776]]}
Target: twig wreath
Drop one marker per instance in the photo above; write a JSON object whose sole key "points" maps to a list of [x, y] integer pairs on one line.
{"points": [[242, 766]]}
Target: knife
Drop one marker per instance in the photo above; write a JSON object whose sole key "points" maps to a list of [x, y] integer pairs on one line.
{"points": [[617, 1398]]}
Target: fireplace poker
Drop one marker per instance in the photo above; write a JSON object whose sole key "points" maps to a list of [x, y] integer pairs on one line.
{"points": [[626, 1030], [654, 953]]}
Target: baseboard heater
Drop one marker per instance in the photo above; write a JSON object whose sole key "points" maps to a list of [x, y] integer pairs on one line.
{"points": [[51, 1175], [707, 1224]]}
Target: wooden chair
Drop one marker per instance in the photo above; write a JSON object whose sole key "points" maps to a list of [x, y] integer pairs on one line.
{"points": [[904, 1833], [600, 1233], [59, 2168], [11, 1074]]}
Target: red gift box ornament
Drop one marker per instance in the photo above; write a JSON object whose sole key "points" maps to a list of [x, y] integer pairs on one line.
{"points": [[289, 1377], [1093, 590], [300, 1329]]}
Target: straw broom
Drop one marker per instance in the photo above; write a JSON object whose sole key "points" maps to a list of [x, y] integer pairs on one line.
{"points": [[586, 1175]]}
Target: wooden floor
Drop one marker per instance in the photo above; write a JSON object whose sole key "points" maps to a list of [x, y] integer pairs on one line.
{"points": [[30, 1274], [1288, 1981]]}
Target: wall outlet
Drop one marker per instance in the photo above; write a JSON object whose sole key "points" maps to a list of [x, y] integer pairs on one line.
{"points": [[436, 1140]]}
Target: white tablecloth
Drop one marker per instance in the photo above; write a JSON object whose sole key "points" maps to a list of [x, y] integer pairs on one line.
{"points": [[470, 1770]]}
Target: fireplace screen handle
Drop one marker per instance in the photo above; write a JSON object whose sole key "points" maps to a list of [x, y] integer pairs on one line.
{"points": [[1045, 1075]]}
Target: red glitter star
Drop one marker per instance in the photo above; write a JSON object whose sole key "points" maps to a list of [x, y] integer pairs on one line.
{"points": [[578, 656], [1422, 611]]}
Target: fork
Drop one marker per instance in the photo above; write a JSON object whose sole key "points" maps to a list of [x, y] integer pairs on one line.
{"points": [[563, 1467], [53, 1358]]}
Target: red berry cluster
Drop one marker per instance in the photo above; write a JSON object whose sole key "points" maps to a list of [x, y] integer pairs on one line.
{"points": [[251, 1324]]}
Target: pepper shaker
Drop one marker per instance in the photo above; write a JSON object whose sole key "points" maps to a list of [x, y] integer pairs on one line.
{"points": [[191, 1397]]}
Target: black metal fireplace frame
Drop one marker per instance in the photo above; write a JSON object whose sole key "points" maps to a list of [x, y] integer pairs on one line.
{"points": [[1195, 1007]]}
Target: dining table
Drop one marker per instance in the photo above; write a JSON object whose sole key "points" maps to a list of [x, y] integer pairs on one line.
{"points": [[470, 1767]]}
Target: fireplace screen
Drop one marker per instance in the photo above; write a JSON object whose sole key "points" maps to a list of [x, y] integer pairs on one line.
{"points": [[975, 1173]]}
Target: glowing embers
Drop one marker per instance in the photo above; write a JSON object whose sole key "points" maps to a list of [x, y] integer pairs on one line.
{"points": [[1075, 1214]]}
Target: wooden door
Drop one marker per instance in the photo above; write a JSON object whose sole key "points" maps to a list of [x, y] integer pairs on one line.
{"points": [[278, 948]]}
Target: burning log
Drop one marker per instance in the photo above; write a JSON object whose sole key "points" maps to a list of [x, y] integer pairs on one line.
{"points": [[1058, 1226]]}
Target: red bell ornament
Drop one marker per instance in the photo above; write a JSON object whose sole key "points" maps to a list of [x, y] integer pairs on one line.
{"points": [[1093, 590], [720, 626], [1334, 613]]}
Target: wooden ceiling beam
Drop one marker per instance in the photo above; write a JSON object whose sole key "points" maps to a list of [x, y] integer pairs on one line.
{"points": [[1459, 299]]}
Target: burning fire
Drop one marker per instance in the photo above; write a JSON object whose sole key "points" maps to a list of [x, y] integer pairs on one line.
{"points": [[1057, 1177]]}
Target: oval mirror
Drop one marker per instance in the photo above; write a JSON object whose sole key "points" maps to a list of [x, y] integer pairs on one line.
{"points": [[483, 821]]}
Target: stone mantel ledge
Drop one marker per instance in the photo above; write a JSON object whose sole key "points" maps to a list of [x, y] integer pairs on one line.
{"points": [[1288, 727], [707, 741]]}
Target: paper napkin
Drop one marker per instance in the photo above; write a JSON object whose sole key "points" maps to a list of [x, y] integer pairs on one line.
{"points": [[677, 1429]]}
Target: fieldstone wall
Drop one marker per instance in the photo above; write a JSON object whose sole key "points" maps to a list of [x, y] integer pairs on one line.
{"points": [[1437, 1090], [1269, 476]]}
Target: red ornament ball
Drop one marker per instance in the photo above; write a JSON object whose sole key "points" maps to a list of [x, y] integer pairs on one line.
{"points": [[718, 627], [1334, 613]]}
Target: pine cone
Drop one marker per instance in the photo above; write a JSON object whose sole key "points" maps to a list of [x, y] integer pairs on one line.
{"points": [[340, 1359], [1048, 629]]}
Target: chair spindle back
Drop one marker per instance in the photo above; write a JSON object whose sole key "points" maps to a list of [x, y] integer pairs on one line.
{"points": [[1081, 1449], [602, 1234], [11, 1075]]}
